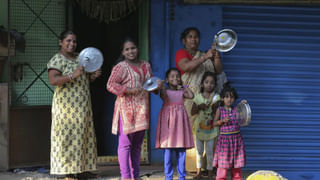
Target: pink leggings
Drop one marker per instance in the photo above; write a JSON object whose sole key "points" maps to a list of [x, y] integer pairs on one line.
{"points": [[222, 173], [129, 150]]}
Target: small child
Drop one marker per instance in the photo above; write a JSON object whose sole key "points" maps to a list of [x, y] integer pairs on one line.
{"points": [[230, 151], [204, 129], [173, 128]]}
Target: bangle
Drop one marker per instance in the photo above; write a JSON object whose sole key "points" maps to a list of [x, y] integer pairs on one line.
{"points": [[203, 58], [70, 76]]}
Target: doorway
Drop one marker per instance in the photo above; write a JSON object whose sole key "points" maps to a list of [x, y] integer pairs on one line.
{"points": [[107, 38]]}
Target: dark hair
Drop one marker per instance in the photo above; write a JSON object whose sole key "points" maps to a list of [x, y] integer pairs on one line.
{"points": [[205, 75], [171, 69], [228, 89], [187, 31], [65, 33], [128, 39], [125, 40]]}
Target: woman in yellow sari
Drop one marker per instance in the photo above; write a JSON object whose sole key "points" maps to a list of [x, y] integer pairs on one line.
{"points": [[192, 64], [73, 139]]}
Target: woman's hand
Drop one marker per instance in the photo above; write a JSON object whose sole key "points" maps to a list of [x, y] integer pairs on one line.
{"points": [[213, 50], [134, 91], [210, 54], [95, 74], [77, 72], [244, 101], [216, 59]]}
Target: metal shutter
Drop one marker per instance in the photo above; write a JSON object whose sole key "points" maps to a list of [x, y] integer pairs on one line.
{"points": [[276, 67]]}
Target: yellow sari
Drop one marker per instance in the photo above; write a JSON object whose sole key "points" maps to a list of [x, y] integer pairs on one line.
{"points": [[193, 80]]}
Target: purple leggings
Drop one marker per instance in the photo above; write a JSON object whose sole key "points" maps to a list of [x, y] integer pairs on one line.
{"points": [[129, 150]]}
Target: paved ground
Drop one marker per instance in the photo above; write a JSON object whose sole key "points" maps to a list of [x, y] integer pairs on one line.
{"points": [[154, 172]]}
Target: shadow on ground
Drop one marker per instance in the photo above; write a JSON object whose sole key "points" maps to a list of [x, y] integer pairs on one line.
{"points": [[153, 172]]}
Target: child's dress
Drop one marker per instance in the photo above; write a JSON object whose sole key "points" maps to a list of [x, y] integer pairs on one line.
{"points": [[230, 152], [203, 124], [173, 127], [204, 130]]}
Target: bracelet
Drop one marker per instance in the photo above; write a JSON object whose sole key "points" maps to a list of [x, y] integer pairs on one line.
{"points": [[216, 55], [70, 76], [202, 58]]}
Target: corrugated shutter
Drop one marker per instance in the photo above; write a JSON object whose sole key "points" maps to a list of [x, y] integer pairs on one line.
{"points": [[276, 67]]}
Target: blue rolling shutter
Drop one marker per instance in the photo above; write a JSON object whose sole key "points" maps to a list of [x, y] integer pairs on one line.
{"points": [[276, 67]]}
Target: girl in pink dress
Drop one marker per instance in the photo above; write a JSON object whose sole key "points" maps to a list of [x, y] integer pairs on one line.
{"points": [[230, 151], [173, 128]]}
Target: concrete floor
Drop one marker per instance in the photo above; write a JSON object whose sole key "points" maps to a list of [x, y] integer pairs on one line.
{"points": [[154, 172]]}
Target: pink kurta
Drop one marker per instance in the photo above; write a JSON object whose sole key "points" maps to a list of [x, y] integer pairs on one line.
{"points": [[133, 109], [173, 128]]}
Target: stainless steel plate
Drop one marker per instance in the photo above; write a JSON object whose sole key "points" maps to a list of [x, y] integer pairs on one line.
{"points": [[91, 59], [225, 40], [244, 114], [151, 84]]}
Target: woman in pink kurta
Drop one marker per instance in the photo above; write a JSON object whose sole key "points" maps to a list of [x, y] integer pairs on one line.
{"points": [[131, 109], [173, 129]]}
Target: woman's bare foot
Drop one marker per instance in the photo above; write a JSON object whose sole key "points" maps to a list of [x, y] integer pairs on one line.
{"points": [[71, 177]]}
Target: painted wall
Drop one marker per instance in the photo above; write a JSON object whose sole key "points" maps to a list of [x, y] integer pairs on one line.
{"points": [[4, 13], [4, 23], [168, 20]]}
